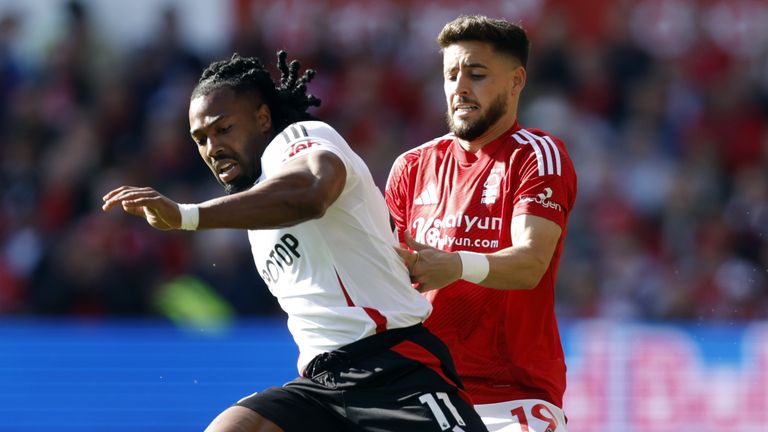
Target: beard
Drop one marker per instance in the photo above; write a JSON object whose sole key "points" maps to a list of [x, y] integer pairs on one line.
{"points": [[470, 130], [242, 182]]}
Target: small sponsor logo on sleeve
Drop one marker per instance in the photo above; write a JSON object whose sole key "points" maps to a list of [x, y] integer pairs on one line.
{"points": [[542, 199], [299, 147]]}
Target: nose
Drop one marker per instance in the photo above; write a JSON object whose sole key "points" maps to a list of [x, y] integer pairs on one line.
{"points": [[460, 86], [463, 84], [212, 147]]}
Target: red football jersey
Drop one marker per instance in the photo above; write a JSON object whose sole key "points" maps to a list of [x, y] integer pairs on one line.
{"points": [[505, 343]]}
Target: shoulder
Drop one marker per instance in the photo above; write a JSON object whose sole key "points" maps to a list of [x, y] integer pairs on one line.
{"points": [[547, 150], [434, 146], [537, 138], [306, 129], [407, 163], [315, 126], [305, 137]]}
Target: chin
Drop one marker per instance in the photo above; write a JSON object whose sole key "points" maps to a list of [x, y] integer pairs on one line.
{"points": [[233, 188], [230, 189], [237, 185]]}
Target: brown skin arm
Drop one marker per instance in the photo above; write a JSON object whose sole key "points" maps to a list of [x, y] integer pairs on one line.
{"points": [[517, 267], [241, 419], [303, 189]]}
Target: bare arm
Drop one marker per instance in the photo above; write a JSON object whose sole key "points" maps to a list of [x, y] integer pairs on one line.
{"points": [[517, 267], [303, 189]]}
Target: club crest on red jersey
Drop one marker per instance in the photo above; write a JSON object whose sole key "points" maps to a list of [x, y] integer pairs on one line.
{"points": [[491, 186]]}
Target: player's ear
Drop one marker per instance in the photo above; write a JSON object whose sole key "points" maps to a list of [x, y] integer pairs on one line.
{"points": [[518, 80], [264, 118]]}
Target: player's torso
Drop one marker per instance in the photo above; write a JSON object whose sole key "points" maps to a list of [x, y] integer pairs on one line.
{"points": [[462, 205], [292, 261], [337, 277], [458, 205]]}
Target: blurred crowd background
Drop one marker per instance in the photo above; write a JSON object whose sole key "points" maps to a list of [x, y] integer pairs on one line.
{"points": [[663, 105]]}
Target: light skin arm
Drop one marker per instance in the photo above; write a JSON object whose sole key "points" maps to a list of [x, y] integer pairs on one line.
{"points": [[517, 267], [303, 189]]}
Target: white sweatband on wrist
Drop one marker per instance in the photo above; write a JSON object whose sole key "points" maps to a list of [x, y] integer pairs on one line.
{"points": [[190, 216], [474, 266]]}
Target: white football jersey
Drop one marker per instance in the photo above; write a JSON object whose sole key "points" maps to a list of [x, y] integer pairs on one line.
{"points": [[338, 277]]}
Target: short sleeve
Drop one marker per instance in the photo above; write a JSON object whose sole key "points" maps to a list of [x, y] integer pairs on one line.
{"points": [[396, 195], [547, 182], [305, 145], [302, 138]]}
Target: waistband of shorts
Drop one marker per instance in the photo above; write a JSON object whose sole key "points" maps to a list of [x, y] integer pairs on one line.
{"points": [[361, 348]]}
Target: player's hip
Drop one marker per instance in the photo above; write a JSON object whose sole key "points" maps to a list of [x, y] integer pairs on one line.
{"points": [[382, 357], [532, 415]]}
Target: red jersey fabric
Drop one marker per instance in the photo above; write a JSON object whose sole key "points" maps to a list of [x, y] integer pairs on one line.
{"points": [[505, 343]]}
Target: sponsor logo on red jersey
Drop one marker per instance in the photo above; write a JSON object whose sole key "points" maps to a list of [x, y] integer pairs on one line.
{"points": [[430, 230]]}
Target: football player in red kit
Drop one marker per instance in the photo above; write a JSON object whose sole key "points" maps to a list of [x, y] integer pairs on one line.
{"points": [[483, 211]]}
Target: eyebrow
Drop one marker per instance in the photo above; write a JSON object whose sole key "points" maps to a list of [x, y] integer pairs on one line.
{"points": [[207, 124], [469, 65]]}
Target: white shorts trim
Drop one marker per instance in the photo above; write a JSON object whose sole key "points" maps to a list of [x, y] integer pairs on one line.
{"points": [[539, 415]]}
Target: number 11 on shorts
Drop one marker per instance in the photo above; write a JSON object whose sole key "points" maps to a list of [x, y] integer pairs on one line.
{"points": [[437, 411]]}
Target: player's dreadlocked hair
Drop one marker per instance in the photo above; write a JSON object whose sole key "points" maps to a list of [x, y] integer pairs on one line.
{"points": [[288, 101]]}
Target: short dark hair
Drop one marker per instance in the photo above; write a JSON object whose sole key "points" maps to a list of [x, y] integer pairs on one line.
{"points": [[502, 35], [288, 100]]}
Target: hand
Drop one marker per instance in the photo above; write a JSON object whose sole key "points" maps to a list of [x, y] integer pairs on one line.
{"points": [[159, 211], [430, 268]]}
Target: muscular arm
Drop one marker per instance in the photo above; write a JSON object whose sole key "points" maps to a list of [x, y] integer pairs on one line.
{"points": [[521, 266], [517, 267], [303, 189]]}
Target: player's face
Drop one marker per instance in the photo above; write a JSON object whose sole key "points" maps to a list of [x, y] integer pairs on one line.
{"points": [[230, 131], [480, 87]]}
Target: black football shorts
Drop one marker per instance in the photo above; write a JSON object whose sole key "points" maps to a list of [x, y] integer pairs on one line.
{"points": [[401, 380]]}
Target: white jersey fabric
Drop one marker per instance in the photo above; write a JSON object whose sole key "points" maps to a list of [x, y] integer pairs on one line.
{"points": [[338, 277]]}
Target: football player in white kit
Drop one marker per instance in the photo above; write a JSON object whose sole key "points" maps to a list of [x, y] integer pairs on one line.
{"points": [[321, 240]]}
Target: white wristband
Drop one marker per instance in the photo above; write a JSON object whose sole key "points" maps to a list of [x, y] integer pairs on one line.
{"points": [[190, 216], [474, 266]]}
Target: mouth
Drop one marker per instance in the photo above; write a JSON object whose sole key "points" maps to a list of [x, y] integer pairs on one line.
{"points": [[464, 109], [226, 169]]}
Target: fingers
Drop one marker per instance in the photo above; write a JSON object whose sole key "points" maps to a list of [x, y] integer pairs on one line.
{"points": [[128, 196], [112, 193], [404, 254], [413, 244], [409, 257], [109, 196], [109, 200]]}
